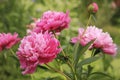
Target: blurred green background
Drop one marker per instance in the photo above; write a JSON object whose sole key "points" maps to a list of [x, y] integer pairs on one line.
{"points": [[16, 14]]}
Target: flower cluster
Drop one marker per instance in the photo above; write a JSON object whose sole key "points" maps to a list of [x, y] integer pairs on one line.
{"points": [[8, 40], [102, 41], [37, 49], [40, 46]]}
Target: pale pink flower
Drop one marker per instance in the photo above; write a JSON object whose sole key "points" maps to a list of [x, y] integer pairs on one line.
{"points": [[7, 40], [53, 21], [102, 41], [37, 49], [85, 36]]}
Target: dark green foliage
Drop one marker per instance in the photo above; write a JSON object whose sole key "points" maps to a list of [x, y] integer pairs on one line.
{"points": [[115, 20], [9, 67], [14, 16]]}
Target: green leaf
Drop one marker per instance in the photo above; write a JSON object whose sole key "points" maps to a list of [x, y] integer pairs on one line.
{"points": [[101, 73], [43, 67], [14, 58], [79, 50], [97, 51], [87, 61], [69, 75], [90, 68], [84, 62]]}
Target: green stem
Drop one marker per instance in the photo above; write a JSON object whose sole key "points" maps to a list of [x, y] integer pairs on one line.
{"points": [[87, 24], [60, 67], [68, 78], [13, 53], [68, 63], [60, 44], [32, 76], [73, 70], [89, 20]]}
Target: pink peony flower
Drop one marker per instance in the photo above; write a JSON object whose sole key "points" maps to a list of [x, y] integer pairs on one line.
{"points": [[8, 40], [53, 21], [37, 49], [93, 7], [102, 41]]}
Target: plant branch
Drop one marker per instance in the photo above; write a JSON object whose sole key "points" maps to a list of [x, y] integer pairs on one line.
{"points": [[89, 20], [60, 44], [68, 62], [13, 53], [58, 71]]}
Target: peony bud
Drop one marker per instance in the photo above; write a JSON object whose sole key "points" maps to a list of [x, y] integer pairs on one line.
{"points": [[93, 7]]}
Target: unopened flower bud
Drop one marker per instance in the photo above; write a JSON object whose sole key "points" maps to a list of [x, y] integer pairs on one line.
{"points": [[93, 7]]}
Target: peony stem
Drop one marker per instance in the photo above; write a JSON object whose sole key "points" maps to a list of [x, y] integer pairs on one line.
{"points": [[73, 70], [60, 67], [87, 24], [60, 44], [68, 62], [68, 78], [13, 53], [31, 77], [89, 20]]}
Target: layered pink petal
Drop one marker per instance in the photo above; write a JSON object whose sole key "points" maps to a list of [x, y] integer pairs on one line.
{"points": [[102, 41], [36, 49], [52, 21], [8, 40]]}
